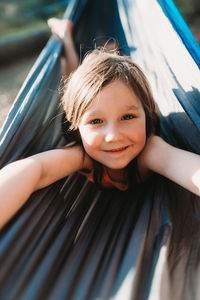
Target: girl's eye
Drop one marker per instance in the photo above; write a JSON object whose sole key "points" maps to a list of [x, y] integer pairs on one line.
{"points": [[128, 117], [96, 121]]}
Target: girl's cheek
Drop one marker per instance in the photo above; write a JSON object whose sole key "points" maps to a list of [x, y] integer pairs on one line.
{"points": [[89, 138]]}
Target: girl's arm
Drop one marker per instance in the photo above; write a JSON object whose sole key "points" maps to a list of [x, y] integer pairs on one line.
{"points": [[180, 166], [21, 178]]}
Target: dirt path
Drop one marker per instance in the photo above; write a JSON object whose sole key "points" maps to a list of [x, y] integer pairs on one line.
{"points": [[11, 79]]}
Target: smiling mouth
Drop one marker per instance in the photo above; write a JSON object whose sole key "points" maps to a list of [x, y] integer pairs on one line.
{"points": [[118, 150]]}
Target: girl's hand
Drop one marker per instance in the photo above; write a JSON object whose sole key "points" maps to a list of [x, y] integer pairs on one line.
{"points": [[180, 166]]}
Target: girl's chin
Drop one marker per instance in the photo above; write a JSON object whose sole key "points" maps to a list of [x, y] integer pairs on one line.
{"points": [[116, 167]]}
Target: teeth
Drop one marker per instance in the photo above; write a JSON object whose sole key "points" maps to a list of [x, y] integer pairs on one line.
{"points": [[119, 149]]}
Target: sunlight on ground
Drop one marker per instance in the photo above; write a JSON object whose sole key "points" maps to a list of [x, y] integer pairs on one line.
{"points": [[11, 78]]}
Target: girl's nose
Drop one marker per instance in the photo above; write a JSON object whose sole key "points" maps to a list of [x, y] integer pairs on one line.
{"points": [[112, 134]]}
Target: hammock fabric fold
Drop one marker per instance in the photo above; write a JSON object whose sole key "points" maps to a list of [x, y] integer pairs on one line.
{"points": [[74, 241]]}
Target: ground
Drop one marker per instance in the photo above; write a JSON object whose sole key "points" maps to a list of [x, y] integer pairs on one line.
{"points": [[12, 77]]}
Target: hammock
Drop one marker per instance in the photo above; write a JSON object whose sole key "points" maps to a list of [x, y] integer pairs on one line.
{"points": [[73, 241]]}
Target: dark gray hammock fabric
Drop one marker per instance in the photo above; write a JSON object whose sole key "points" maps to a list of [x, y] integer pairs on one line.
{"points": [[74, 241]]}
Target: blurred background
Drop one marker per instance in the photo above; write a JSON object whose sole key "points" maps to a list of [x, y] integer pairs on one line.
{"points": [[24, 32]]}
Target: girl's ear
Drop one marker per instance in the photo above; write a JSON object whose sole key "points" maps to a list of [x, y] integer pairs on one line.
{"points": [[70, 135], [152, 124], [148, 127], [78, 136], [156, 120], [156, 124]]}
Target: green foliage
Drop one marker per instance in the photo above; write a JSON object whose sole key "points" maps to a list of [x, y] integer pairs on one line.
{"points": [[17, 14], [190, 9], [185, 6]]}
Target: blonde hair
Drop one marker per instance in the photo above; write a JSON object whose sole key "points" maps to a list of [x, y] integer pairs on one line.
{"points": [[100, 68]]}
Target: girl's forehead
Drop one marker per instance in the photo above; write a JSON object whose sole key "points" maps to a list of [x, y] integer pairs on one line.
{"points": [[116, 94]]}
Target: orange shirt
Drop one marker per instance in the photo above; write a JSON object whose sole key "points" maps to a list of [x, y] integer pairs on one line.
{"points": [[106, 182]]}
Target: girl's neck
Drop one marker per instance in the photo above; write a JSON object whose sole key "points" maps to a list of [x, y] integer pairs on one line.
{"points": [[118, 175]]}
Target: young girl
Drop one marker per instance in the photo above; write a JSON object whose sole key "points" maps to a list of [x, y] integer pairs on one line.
{"points": [[113, 122]]}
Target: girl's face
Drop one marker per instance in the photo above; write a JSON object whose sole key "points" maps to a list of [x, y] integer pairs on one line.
{"points": [[112, 128]]}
